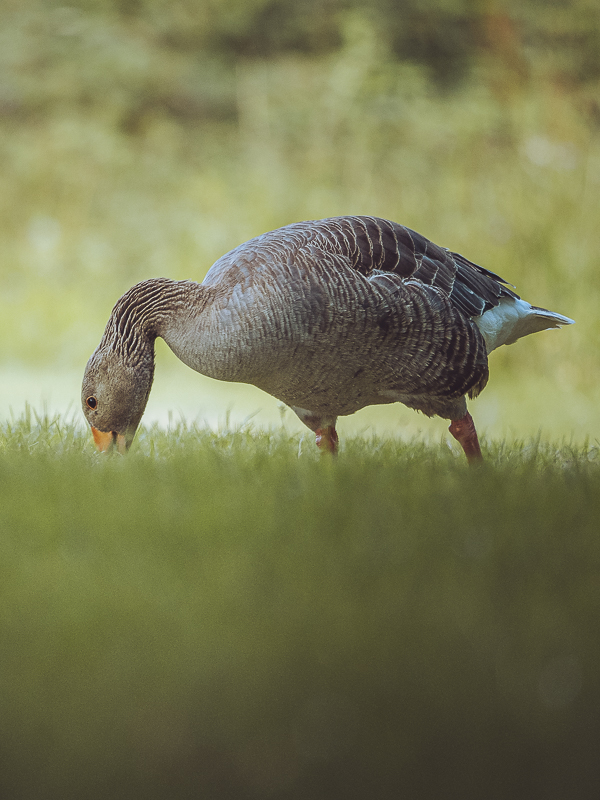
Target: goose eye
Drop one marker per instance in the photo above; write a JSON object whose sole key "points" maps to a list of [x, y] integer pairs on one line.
{"points": [[91, 402]]}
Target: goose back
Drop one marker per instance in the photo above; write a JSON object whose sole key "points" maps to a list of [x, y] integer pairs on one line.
{"points": [[371, 244]]}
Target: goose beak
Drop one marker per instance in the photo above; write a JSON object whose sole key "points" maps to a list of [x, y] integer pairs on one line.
{"points": [[106, 441]]}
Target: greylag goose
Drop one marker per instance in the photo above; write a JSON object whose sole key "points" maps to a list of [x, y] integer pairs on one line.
{"points": [[328, 316]]}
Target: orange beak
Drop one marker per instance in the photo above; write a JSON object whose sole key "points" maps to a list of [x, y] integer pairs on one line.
{"points": [[106, 441]]}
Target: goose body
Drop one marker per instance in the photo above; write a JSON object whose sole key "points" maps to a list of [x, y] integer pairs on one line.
{"points": [[328, 316]]}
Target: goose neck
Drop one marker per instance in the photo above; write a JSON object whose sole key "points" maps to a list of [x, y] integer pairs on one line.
{"points": [[155, 307]]}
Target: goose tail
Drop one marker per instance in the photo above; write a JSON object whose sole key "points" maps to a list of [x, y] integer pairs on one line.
{"points": [[514, 318]]}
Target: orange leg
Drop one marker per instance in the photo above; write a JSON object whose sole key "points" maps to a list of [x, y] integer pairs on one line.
{"points": [[465, 434], [327, 439]]}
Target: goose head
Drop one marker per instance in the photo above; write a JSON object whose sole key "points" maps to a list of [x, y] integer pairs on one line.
{"points": [[114, 394]]}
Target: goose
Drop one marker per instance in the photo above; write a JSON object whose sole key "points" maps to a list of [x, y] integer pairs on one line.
{"points": [[328, 316]]}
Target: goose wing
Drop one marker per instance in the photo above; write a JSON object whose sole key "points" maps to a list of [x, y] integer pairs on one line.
{"points": [[372, 245]]}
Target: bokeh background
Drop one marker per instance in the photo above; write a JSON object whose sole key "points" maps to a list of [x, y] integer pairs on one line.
{"points": [[141, 138]]}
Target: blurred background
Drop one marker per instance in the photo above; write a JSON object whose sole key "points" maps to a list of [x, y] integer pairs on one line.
{"points": [[143, 138]]}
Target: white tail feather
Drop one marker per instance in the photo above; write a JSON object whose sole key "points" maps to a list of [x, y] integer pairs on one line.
{"points": [[514, 318]]}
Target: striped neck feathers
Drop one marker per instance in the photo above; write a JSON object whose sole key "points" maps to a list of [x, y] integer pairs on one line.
{"points": [[146, 311]]}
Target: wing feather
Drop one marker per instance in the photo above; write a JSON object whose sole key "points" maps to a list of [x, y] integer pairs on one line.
{"points": [[371, 243]]}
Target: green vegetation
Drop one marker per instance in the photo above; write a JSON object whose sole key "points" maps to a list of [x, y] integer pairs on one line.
{"points": [[148, 138], [143, 138], [233, 616]]}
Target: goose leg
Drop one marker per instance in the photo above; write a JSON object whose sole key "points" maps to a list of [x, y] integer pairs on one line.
{"points": [[327, 439], [464, 432], [323, 426]]}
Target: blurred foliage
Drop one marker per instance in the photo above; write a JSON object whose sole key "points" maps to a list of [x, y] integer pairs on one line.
{"points": [[140, 138], [231, 616], [145, 57]]}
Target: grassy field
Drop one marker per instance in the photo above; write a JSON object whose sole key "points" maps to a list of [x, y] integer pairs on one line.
{"points": [[229, 615]]}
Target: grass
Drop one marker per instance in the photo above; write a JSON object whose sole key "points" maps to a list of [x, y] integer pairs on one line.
{"points": [[228, 615]]}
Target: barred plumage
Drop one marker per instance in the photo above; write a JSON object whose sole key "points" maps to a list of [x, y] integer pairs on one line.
{"points": [[328, 316]]}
